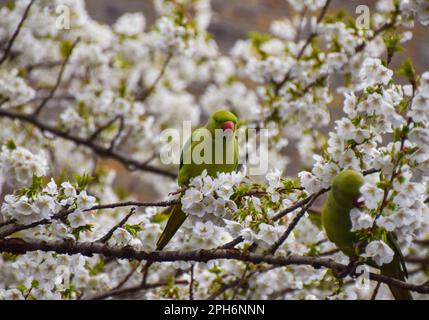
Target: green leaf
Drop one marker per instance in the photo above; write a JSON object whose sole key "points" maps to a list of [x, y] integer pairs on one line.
{"points": [[65, 48], [10, 5], [35, 187], [34, 284], [392, 43], [22, 288], [133, 229], [98, 268], [159, 217], [76, 232], [120, 62], [289, 185], [316, 219], [123, 88], [11, 145], [82, 181], [7, 256], [22, 72], [407, 70], [258, 38]]}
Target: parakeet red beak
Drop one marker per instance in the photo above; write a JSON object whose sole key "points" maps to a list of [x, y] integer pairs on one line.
{"points": [[228, 125]]}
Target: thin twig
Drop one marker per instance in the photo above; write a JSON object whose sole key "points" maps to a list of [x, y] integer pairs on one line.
{"points": [[118, 134], [130, 290], [101, 151], [58, 80], [149, 90], [127, 277], [16, 33], [191, 283], [241, 281], [103, 127], [304, 47], [375, 292], [110, 233], [11, 228], [294, 222]]}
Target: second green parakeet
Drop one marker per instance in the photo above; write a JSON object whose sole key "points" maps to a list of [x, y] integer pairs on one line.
{"points": [[342, 198], [190, 167]]}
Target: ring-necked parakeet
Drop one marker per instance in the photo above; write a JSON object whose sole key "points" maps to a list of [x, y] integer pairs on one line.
{"points": [[189, 167], [342, 198]]}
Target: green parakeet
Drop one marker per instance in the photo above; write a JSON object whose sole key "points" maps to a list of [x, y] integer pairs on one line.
{"points": [[213, 162], [342, 198]]}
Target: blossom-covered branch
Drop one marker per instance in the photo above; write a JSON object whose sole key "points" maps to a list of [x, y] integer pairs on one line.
{"points": [[89, 143], [77, 94], [89, 249]]}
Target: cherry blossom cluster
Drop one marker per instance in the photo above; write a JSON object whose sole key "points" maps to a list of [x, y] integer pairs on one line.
{"points": [[82, 110]]}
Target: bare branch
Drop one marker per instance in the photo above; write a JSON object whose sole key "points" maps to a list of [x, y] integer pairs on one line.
{"points": [[12, 228], [149, 90], [191, 283], [302, 50], [118, 134], [110, 233], [58, 81], [127, 277], [16, 33], [375, 292], [294, 222], [101, 151], [103, 127], [126, 291]]}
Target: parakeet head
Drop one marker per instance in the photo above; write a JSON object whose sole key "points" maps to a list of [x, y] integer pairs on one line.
{"points": [[346, 186], [222, 119]]}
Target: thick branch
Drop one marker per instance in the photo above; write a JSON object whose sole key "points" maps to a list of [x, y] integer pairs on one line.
{"points": [[19, 246]]}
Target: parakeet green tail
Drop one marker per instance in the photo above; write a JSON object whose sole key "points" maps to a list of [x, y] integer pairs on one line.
{"points": [[336, 221], [177, 217], [394, 270]]}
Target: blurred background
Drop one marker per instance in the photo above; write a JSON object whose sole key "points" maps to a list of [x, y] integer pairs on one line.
{"points": [[233, 19]]}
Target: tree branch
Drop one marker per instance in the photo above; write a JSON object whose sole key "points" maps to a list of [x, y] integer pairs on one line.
{"points": [[149, 90], [99, 150], [110, 233], [16, 33], [279, 85], [19, 246], [294, 222], [125, 291], [58, 81], [12, 228]]}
